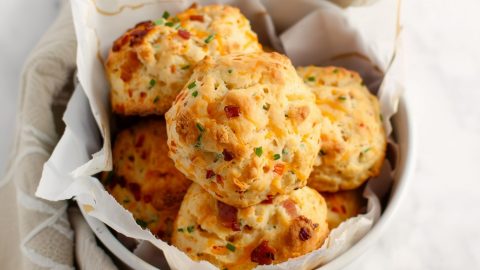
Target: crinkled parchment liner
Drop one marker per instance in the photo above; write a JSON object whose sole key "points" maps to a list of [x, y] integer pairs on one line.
{"points": [[309, 32]]}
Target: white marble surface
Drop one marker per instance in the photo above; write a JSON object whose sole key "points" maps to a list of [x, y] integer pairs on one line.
{"points": [[438, 224]]}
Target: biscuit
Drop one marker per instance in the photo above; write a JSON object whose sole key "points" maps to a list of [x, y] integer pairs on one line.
{"points": [[282, 227], [149, 64], [353, 138], [144, 179], [343, 205], [244, 127]]}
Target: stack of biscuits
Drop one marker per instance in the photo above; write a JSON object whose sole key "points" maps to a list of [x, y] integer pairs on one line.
{"points": [[237, 158]]}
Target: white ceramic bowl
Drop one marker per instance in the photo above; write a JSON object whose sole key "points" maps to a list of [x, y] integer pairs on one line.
{"points": [[403, 134]]}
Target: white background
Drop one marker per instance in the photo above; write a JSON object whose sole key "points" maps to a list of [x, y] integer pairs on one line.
{"points": [[438, 224]]}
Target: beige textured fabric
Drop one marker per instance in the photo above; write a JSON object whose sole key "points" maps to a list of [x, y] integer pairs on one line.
{"points": [[36, 234]]}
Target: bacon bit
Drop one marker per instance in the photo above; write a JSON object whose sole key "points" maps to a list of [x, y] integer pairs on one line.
{"points": [[219, 250], [140, 141], [173, 68], [219, 179], [143, 95], [232, 111], [227, 156], [144, 155], [344, 210], [196, 18], [228, 216], [184, 34], [118, 44], [210, 174], [268, 200], [263, 254], [278, 168], [131, 158], [135, 189], [147, 198], [304, 234], [289, 206]]}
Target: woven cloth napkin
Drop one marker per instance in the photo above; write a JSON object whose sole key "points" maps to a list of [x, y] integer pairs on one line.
{"points": [[39, 234]]}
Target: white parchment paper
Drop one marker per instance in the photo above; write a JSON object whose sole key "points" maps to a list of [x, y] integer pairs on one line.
{"points": [[309, 32]]}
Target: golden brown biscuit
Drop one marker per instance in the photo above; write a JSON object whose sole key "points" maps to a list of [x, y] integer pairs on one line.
{"points": [[343, 205], [150, 63], [245, 127], [144, 179], [271, 232], [353, 138]]}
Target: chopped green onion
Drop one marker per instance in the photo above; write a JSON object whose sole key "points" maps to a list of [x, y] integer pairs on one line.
{"points": [[199, 141], [186, 67], [209, 38], [141, 223], [285, 151], [176, 26], [230, 247], [335, 70], [258, 151], [155, 100], [342, 98], [276, 157], [311, 79], [165, 15], [152, 83], [367, 149], [200, 127], [218, 157], [195, 94], [192, 85], [266, 107], [160, 21], [169, 24], [180, 230], [190, 229]]}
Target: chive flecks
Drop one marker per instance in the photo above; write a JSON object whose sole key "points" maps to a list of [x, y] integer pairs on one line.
{"points": [[266, 107], [209, 38], [186, 67], [155, 100], [169, 24], [230, 247], [198, 143], [191, 228], [160, 21], [285, 151], [342, 98], [195, 94], [200, 127], [218, 157], [258, 151], [152, 83], [165, 15], [141, 223], [192, 85], [311, 79], [276, 157], [366, 149]]}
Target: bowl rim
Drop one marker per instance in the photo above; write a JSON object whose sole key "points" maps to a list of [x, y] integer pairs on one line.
{"points": [[353, 253]]}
